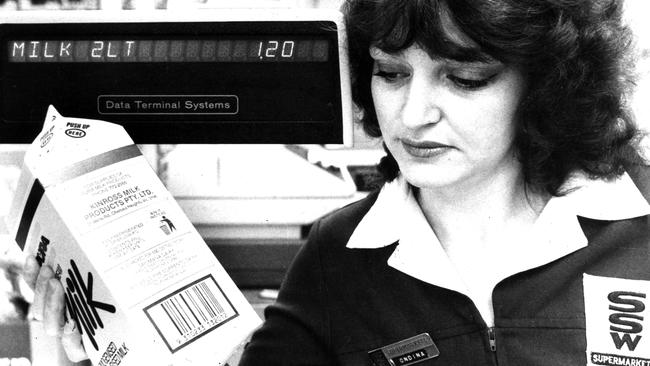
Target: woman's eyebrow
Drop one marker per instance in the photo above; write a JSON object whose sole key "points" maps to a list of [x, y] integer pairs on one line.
{"points": [[473, 63], [376, 52]]}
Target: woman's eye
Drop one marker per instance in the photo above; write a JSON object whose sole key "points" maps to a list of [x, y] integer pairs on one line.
{"points": [[470, 83], [390, 76]]}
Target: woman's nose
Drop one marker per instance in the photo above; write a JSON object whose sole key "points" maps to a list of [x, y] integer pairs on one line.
{"points": [[422, 104]]}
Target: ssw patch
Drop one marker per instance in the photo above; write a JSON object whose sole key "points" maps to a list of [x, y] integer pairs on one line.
{"points": [[617, 321]]}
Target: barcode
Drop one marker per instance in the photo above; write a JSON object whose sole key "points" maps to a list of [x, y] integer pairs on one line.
{"points": [[190, 312]]}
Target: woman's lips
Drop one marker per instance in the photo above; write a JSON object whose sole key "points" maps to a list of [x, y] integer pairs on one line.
{"points": [[424, 149]]}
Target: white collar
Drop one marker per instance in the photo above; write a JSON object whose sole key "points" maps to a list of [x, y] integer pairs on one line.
{"points": [[397, 217]]}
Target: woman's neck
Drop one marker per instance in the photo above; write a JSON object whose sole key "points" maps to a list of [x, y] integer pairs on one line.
{"points": [[485, 212]]}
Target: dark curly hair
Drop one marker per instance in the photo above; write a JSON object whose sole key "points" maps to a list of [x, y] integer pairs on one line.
{"points": [[575, 54]]}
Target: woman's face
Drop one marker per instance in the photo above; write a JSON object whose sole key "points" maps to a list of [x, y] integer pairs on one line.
{"points": [[447, 123]]}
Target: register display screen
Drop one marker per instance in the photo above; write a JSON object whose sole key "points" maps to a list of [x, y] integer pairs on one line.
{"points": [[246, 81], [270, 49]]}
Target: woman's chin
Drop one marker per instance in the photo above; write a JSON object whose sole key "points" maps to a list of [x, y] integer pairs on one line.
{"points": [[431, 178]]}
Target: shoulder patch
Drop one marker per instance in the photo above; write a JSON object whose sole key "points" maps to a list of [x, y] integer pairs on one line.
{"points": [[617, 321]]}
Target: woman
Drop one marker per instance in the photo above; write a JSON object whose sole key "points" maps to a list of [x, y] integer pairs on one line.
{"points": [[508, 231]]}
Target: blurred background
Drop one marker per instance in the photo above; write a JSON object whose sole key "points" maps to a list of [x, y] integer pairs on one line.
{"points": [[254, 229]]}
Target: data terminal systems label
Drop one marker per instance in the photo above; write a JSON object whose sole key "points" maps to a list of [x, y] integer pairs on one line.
{"points": [[168, 104]]}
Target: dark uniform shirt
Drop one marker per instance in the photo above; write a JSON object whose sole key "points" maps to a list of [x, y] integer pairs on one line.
{"points": [[338, 303]]}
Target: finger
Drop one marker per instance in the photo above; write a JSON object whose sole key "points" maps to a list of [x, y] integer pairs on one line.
{"points": [[71, 342], [40, 290], [53, 310], [30, 271]]}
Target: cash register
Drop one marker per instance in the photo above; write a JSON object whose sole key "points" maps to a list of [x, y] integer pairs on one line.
{"points": [[239, 111]]}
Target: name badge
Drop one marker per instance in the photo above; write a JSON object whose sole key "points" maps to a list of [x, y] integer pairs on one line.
{"points": [[617, 321], [405, 352]]}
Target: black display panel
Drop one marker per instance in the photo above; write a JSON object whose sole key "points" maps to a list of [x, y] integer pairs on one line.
{"points": [[177, 82]]}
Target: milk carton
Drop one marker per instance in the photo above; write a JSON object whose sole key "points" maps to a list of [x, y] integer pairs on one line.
{"points": [[139, 281]]}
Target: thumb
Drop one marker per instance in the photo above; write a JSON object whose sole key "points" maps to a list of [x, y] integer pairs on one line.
{"points": [[71, 342]]}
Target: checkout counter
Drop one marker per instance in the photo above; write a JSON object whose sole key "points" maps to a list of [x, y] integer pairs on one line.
{"points": [[254, 205]]}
